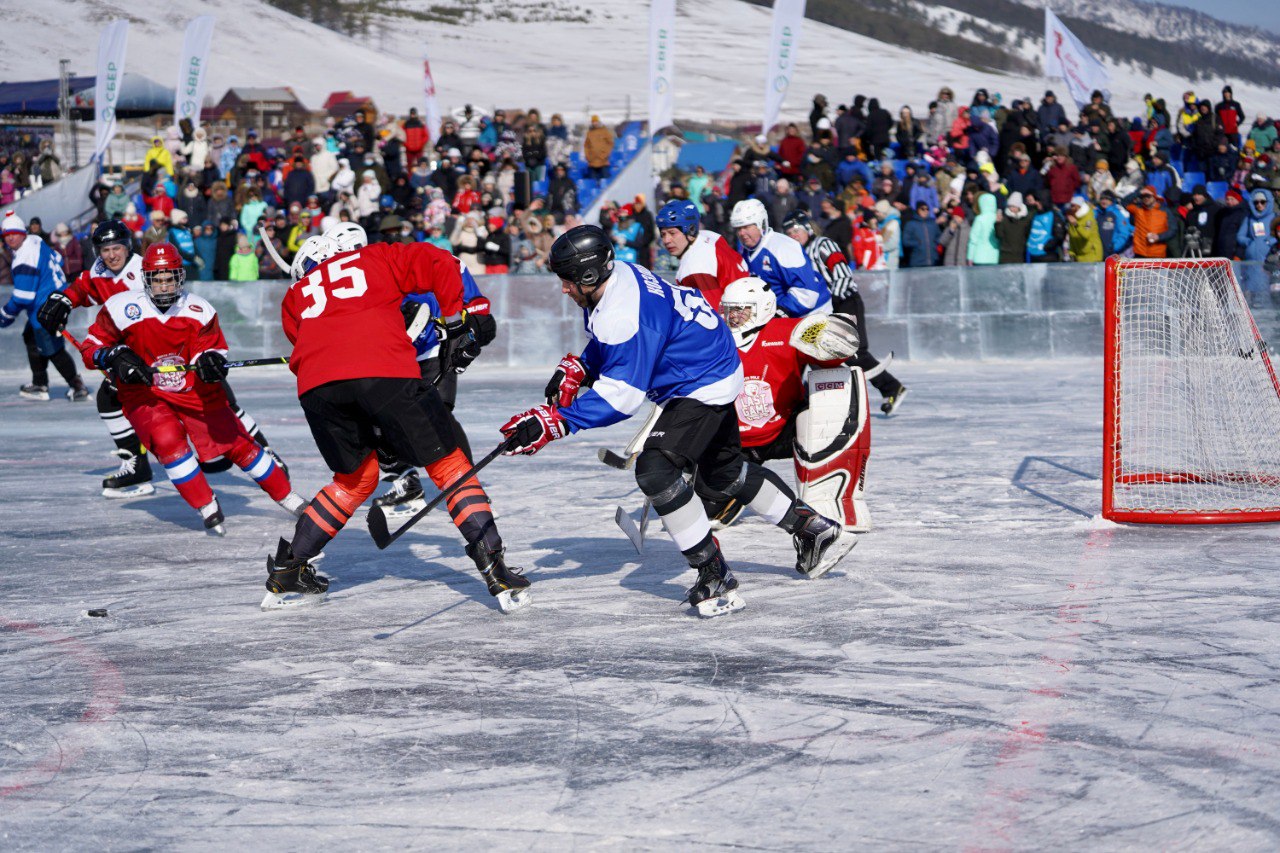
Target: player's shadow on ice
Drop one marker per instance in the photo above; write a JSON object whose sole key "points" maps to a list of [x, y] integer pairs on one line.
{"points": [[362, 563], [167, 505]]}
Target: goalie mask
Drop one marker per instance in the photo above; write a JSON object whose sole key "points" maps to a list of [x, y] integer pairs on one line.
{"points": [[314, 251], [163, 274], [747, 305]]}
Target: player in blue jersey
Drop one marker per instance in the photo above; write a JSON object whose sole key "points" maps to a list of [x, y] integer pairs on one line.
{"points": [[650, 339], [37, 272], [779, 261]]}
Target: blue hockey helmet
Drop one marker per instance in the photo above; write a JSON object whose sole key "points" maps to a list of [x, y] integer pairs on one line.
{"points": [[680, 213]]}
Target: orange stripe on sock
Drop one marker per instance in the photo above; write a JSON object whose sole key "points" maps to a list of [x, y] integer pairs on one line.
{"points": [[467, 491], [332, 505], [466, 512], [320, 522]]}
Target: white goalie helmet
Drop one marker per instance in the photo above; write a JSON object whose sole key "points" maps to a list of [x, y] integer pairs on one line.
{"points": [[314, 251], [747, 305], [348, 235], [750, 211]]}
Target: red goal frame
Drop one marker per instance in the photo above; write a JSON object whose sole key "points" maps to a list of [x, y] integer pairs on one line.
{"points": [[1112, 474]]}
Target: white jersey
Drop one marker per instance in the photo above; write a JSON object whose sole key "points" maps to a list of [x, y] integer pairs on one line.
{"points": [[710, 265]]}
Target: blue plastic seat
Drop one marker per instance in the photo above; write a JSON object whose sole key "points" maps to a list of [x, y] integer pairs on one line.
{"points": [[1190, 179], [1217, 189]]}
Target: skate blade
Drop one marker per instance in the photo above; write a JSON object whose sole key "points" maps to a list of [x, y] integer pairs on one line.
{"points": [[138, 491], [895, 405], [292, 600], [837, 552], [510, 600], [727, 603], [39, 398], [404, 511], [217, 530]]}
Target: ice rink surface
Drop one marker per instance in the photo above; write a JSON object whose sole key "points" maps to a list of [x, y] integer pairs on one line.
{"points": [[989, 668]]}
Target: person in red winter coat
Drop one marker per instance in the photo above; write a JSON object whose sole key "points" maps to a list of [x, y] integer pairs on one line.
{"points": [[791, 150], [1063, 178]]}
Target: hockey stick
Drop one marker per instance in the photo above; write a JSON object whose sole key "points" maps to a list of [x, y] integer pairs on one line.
{"points": [[382, 537], [634, 532], [271, 250], [249, 362], [623, 461], [879, 368]]}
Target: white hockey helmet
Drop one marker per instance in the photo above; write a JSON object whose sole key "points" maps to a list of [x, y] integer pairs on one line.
{"points": [[747, 305], [750, 211], [349, 236], [314, 251]]}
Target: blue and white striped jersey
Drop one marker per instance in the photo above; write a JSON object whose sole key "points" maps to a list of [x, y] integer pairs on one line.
{"points": [[652, 339], [37, 272], [782, 264]]}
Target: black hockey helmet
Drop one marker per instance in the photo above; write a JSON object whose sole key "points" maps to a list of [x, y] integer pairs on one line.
{"points": [[111, 233], [583, 255], [798, 218]]}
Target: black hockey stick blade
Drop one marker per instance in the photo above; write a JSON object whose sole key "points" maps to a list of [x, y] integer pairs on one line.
{"points": [[614, 460], [382, 536]]}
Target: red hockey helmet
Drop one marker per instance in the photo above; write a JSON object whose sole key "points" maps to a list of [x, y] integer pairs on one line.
{"points": [[162, 271]]}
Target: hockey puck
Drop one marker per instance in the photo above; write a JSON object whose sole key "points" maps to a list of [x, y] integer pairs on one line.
{"points": [[98, 612]]}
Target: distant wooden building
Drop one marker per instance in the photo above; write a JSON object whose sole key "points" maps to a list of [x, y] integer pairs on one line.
{"points": [[273, 112], [340, 105]]}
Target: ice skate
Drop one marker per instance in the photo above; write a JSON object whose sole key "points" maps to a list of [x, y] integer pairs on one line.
{"points": [[405, 498], [132, 480], [505, 583], [722, 513], [213, 519], [820, 542], [32, 391], [294, 504], [716, 591], [292, 582], [894, 400], [77, 393]]}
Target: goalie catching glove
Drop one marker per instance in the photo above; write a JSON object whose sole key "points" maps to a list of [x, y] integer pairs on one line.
{"points": [[826, 337], [125, 364], [533, 430], [54, 313], [570, 375]]}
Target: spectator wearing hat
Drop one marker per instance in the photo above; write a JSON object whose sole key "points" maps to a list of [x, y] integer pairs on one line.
{"points": [[113, 206], [1048, 231], [1255, 238], [257, 154], [596, 148], [1084, 242], [1161, 175], [1115, 228], [644, 218], [984, 248], [391, 229], [158, 154], [908, 132], [1200, 218], [244, 263], [1101, 180], [1203, 140], [1062, 177], [1152, 224], [1021, 177], [1012, 228], [1226, 225], [1050, 115], [66, 245], [920, 236], [230, 154], [954, 237], [157, 231], [791, 153], [817, 114], [1263, 133], [1230, 116]]}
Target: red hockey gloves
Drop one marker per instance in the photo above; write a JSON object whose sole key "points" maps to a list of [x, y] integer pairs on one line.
{"points": [[127, 366], [533, 430], [54, 312], [565, 382], [211, 367]]}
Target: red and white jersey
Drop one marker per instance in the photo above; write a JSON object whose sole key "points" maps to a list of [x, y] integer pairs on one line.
{"points": [[710, 264], [97, 284], [344, 317], [773, 383], [177, 336]]}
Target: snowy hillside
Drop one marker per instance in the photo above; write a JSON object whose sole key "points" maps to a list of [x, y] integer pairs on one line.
{"points": [[567, 56]]}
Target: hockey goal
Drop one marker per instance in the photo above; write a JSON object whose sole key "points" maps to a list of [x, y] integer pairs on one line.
{"points": [[1191, 414]]}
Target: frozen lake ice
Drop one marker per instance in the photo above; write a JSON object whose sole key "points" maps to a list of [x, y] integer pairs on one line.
{"points": [[989, 668]]}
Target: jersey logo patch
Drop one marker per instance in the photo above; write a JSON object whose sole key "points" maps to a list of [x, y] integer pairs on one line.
{"points": [[755, 403], [195, 308], [132, 311], [129, 276]]}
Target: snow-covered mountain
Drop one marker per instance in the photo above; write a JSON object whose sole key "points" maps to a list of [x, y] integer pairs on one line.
{"points": [[570, 56]]}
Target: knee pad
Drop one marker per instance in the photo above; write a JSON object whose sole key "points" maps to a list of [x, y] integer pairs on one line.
{"points": [[833, 442], [348, 491], [659, 475]]}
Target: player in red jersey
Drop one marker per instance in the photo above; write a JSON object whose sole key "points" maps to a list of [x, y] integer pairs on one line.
{"points": [[137, 332], [117, 269], [707, 262], [361, 388], [799, 401]]}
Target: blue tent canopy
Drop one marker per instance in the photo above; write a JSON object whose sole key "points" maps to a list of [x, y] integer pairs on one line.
{"points": [[712, 156], [139, 96], [36, 97]]}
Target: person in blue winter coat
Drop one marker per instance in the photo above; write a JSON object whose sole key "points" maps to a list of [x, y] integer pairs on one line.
{"points": [[779, 261], [920, 236], [37, 272], [650, 339], [1115, 227], [1255, 239], [1048, 230]]}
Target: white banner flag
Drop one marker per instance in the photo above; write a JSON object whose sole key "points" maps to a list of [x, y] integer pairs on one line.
{"points": [[432, 114], [787, 16], [111, 45], [1066, 57], [662, 30], [188, 95]]}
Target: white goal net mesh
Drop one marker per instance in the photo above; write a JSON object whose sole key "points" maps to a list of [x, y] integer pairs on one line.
{"points": [[1194, 404]]}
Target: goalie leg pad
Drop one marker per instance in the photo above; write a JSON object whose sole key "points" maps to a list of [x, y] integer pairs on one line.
{"points": [[833, 442]]}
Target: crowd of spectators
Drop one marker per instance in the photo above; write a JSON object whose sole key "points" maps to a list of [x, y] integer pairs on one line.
{"points": [[982, 183]]}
